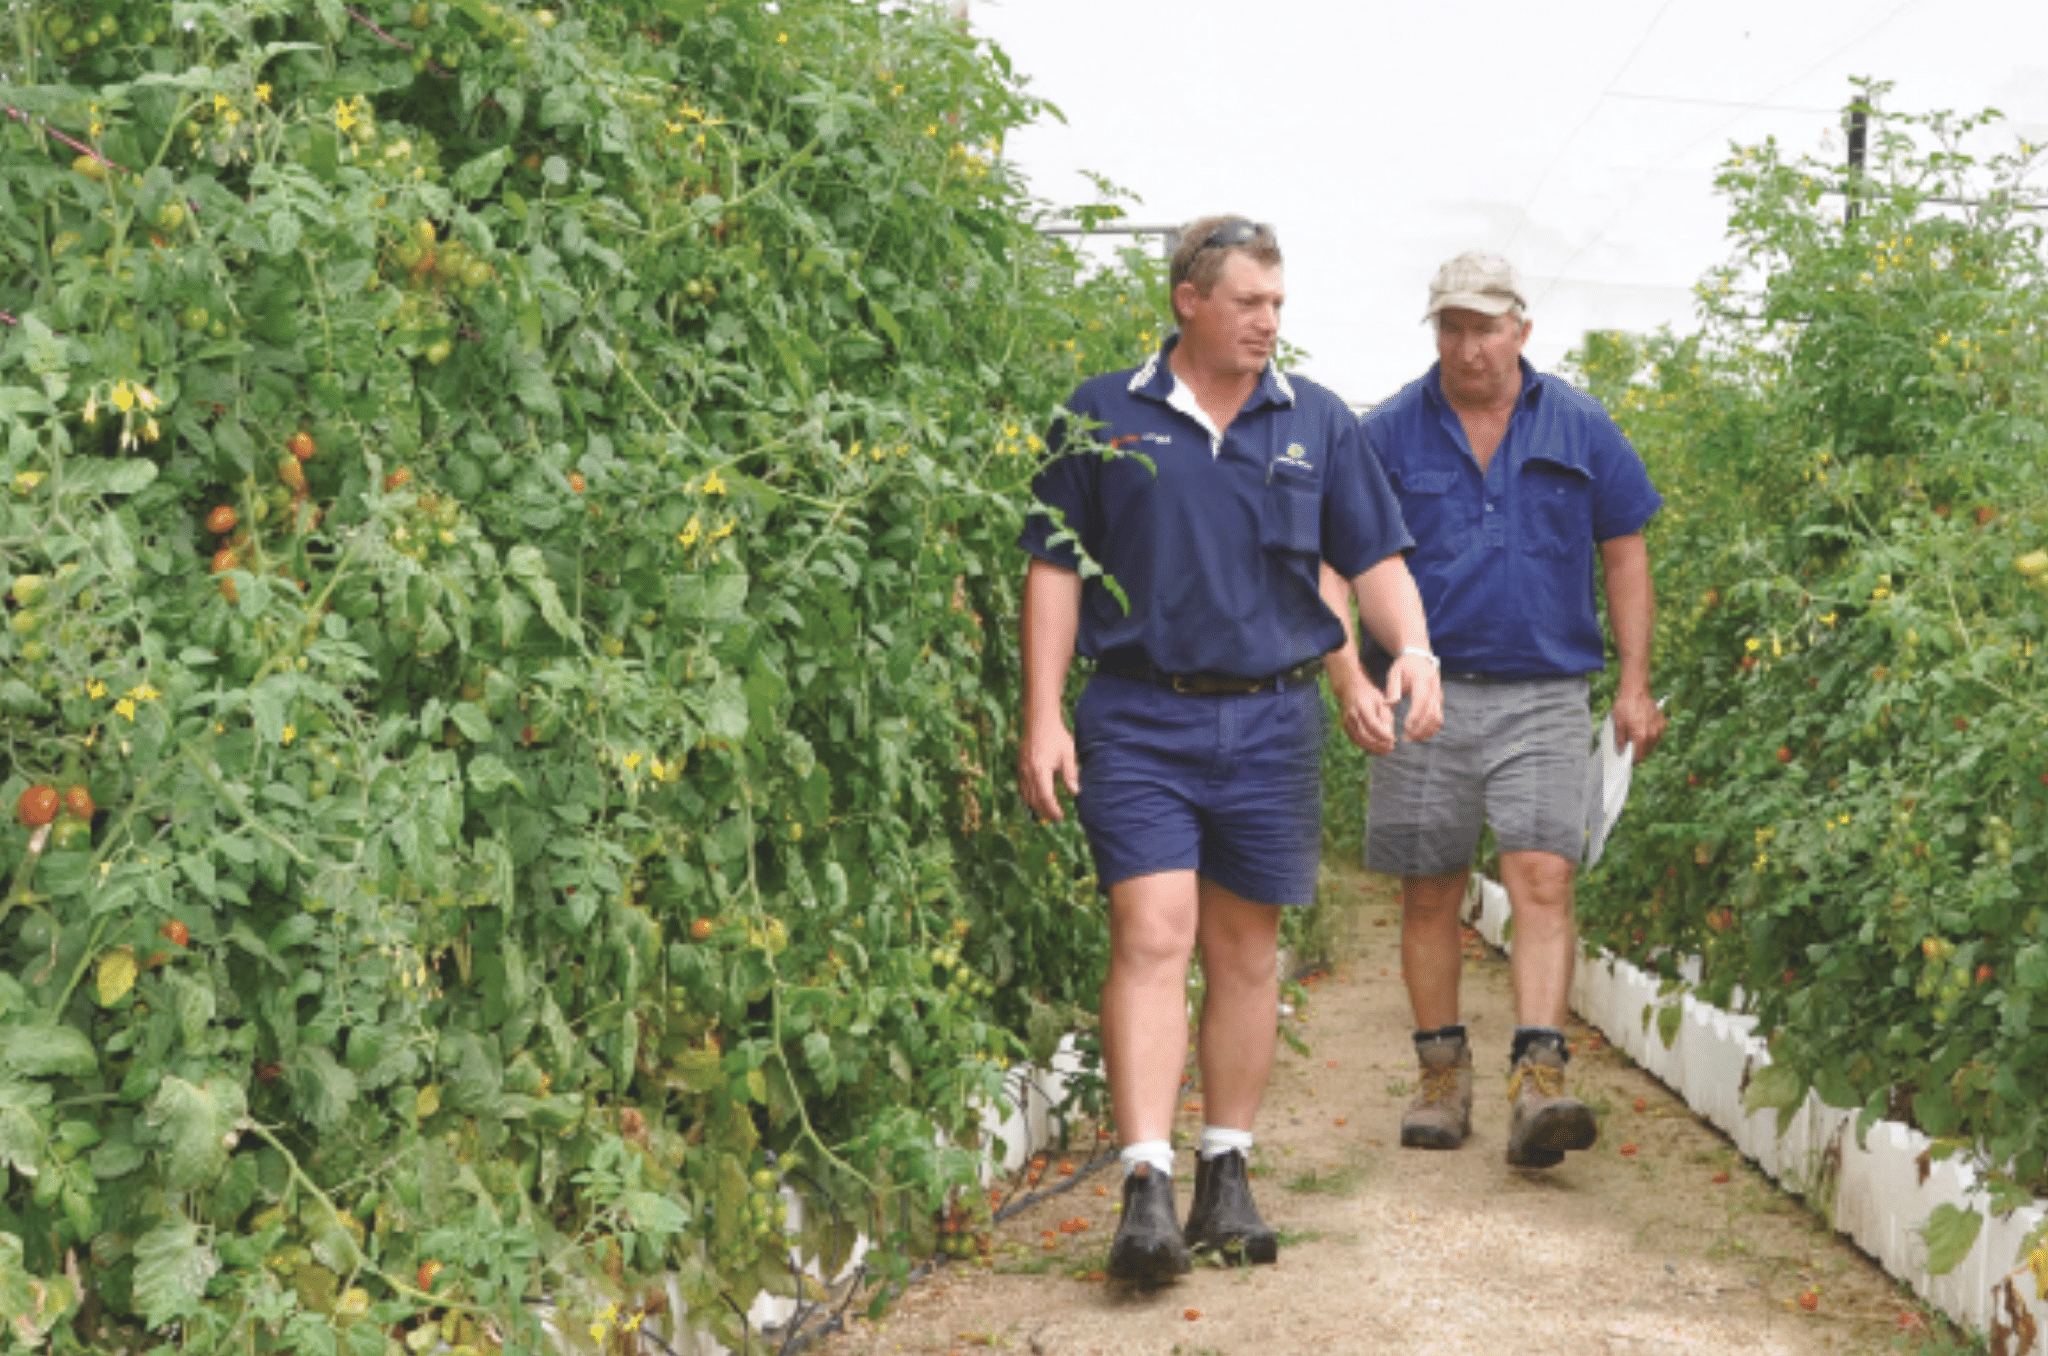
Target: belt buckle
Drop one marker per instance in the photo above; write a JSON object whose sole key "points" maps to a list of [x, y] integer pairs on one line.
{"points": [[1184, 684]]}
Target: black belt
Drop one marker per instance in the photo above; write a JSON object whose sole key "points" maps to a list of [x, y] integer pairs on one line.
{"points": [[1207, 684], [1451, 677]]}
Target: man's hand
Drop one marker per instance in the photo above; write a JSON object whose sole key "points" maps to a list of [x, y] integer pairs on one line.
{"points": [[1045, 756], [1416, 678], [1368, 720], [1638, 721]]}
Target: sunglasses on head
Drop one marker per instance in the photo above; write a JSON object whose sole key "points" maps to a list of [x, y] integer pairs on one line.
{"points": [[1236, 231]]}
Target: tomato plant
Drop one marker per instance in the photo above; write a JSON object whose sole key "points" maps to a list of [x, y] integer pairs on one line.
{"points": [[435, 781]]}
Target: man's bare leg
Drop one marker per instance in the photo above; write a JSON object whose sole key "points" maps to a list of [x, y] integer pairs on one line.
{"points": [[1152, 928], [1240, 1009], [1539, 886], [1432, 951]]}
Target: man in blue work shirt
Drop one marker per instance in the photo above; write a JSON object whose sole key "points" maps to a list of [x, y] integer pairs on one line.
{"points": [[1208, 485], [1512, 482]]}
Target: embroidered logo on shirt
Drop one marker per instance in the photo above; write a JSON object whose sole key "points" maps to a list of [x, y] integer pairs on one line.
{"points": [[1295, 453]]}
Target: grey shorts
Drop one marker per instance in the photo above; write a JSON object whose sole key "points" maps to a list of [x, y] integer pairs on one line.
{"points": [[1510, 754]]}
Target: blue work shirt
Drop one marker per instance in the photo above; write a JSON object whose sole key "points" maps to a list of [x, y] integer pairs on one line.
{"points": [[1504, 559], [1216, 543]]}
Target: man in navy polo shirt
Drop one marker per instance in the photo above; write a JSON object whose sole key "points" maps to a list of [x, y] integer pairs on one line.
{"points": [[1513, 482], [1208, 486]]}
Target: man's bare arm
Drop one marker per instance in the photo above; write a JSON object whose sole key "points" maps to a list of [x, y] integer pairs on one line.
{"points": [[1391, 609], [1045, 747], [1632, 612], [1368, 720]]}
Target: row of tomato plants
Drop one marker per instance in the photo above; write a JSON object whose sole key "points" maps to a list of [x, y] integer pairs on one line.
{"points": [[507, 519], [1847, 819]]}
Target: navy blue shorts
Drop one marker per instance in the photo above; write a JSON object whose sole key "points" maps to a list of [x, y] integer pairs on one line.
{"points": [[1227, 786]]}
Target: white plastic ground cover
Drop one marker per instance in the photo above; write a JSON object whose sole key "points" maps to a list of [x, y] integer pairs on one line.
{"points": [[1872, 1192], [1026, 1122]]}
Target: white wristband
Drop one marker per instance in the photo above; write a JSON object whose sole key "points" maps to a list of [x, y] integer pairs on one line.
{"points": [[1421, 653]]}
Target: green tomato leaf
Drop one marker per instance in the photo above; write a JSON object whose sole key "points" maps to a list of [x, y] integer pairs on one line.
{"points": [[172, 1267], [480, 176], [47, 1051], [194, 1122]]}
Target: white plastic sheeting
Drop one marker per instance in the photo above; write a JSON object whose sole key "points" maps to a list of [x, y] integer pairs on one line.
{"points": [[1872, 1192]]}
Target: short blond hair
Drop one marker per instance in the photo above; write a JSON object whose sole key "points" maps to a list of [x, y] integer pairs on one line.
{"points": [[1198, 259]]}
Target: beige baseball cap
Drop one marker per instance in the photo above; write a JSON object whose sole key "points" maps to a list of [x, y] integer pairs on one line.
{"points": [[1476, 281]]}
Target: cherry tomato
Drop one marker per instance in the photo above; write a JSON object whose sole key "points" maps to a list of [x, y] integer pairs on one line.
{"points": [[70, 834], [78, 802], [176, 933], [438, 351], [292, 474], [397, 480], [700, 930], [224, 560], [222, 520], [576, 481], [301, 445], [1784, 754], [37, 806], [429, 1269], [170, 216]]}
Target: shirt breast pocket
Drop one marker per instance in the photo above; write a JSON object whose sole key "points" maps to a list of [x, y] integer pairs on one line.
{"points": [[1556, 509], [1293, 511]]}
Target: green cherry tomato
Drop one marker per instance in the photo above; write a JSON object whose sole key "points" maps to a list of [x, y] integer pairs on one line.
{"points": [[170, 216], [438, 351], [194, 318]]}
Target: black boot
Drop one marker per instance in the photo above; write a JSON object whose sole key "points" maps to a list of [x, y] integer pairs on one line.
{"points": [[1223, 1216], [1148, 1248]]}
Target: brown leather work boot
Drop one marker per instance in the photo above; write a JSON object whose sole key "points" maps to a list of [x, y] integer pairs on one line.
{"points": [[1440, 1117], [1545, 1123]]}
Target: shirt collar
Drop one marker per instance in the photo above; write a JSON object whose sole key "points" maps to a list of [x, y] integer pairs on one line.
{"points": [[1155, 380], [1532, 384]]}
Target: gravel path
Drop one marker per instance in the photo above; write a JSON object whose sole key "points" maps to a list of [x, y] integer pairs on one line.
{"points": [[1660, 1239]]}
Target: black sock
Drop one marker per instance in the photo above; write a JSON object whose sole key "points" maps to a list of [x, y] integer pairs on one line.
{"points": [[1526, 1036], [1456, 1032]]}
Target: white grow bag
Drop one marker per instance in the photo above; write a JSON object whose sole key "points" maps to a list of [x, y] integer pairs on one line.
{"points": [[1872, 1192]]}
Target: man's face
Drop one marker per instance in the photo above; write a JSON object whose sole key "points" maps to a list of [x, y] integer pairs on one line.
{"points": [[1234, 328], [1480, 353]]}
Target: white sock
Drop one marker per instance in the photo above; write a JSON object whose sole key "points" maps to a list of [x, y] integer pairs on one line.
{"points": [[1218, 1140], [1156, 1154]]}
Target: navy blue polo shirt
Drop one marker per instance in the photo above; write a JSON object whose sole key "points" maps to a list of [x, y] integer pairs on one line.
{"points": [[1505, 559], [1215, 542]]}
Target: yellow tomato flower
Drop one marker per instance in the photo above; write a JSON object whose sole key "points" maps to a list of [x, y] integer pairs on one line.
{"points": [[125, 708], [263, 93], [691, 531], [95, 689], [1752, 645], [714, 485], [289, 733]]}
